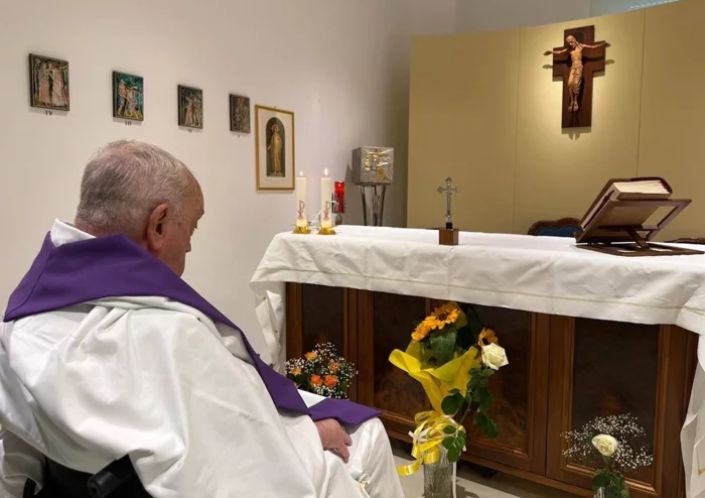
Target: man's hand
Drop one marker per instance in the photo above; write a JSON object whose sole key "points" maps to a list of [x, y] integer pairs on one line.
{"points": [[334, 437]]}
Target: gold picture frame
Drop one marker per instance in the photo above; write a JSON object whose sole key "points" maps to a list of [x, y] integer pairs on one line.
{"points": [[274, 148]]}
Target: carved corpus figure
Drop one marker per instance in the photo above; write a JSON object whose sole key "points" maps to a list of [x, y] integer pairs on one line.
{"points": [[576, 62]]}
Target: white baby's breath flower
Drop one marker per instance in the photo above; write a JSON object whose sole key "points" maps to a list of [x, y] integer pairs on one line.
{"points": [[494, 356], [605, 444]]}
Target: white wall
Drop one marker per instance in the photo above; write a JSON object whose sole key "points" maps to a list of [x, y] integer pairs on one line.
{"points": [[341, 66], [492, 15], [602, 7]]}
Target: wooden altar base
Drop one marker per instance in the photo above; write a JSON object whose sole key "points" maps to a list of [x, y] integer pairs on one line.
{"points": [[563, 371]]}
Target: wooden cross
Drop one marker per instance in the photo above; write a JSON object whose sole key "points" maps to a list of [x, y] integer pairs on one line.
{"points": [[575, 63], [449, 190]]}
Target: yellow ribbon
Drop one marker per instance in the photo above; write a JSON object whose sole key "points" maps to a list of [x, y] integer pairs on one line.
{"points": [[427, 438]]}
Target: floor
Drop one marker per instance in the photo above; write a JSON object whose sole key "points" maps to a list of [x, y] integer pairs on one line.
{"points": [[472, 485]]}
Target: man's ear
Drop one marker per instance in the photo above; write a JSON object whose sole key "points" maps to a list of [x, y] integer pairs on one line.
{"points": [[156, 227]]}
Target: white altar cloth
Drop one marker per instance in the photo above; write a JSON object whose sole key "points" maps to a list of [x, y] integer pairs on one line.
{"points": [[539, 274]]}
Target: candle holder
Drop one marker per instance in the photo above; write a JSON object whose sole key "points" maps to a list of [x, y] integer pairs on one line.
{"points": [[301, 221], [326, 231], [325, 226]]}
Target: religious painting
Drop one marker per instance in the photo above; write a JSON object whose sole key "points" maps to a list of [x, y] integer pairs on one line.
{"points": [[128, 96], [49, 83], [190, 107], [239, 114], [274, 148]]}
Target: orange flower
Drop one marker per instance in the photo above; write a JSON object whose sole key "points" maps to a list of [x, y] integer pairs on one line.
{"points": [[331, 381], [486, 334], [296, 371], [445, 315], [334, 366], [424, 328], [311, 355], [316, 380]]}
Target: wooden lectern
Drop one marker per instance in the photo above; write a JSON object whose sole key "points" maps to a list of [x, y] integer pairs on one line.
{"points": [[625, 217]]}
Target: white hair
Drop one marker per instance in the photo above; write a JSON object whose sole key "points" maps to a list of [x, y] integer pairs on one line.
{"points": [[124, 181]]}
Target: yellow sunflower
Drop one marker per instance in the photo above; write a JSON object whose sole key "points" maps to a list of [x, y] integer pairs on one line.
{"points": [[423, 329], [445, 315]]}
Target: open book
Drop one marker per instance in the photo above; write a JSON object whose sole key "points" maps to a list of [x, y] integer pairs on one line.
{"points": [[628, 189], [627, 214]]}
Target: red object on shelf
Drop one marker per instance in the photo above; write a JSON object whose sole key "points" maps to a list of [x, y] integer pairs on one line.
{"points": [[340, 196]]}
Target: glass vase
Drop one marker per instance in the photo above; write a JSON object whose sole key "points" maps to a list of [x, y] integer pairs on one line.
{"points": [[439, 477]]}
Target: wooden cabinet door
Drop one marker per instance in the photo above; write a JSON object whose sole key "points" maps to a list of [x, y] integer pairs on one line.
{"points": [[385, 323], [318, 314], [603, 368], [520, 393]]}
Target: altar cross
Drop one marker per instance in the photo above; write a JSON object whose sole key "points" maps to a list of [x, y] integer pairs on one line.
{"points": [[575, 63], [449, 190]]}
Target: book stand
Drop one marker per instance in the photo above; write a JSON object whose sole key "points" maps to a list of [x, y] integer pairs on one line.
{"points": [[604, 233]]}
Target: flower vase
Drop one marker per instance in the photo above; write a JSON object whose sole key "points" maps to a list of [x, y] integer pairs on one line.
{"points": [[439, 477]]}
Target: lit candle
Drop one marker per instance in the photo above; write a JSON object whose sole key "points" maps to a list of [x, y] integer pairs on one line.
{"points": [[301, 188], [326, 191]]}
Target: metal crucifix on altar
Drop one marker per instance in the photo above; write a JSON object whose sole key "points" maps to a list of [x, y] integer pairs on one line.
{"points": [[448, 236], [449, 189]]}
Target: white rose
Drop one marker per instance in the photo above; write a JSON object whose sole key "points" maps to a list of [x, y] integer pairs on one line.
{"points": [[605, 444], [494, 356]]}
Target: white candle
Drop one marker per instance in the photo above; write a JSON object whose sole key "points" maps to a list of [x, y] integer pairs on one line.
{"points": [[326, 190], [301, 189]]}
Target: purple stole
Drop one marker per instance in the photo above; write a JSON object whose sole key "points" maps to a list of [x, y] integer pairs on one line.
{"points": [[115, 266]]}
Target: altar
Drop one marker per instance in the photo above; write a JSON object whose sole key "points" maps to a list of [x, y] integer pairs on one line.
{"points": [[587, 334]]}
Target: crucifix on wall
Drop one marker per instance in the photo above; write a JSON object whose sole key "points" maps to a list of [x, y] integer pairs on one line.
{"points": [[576, 63]]}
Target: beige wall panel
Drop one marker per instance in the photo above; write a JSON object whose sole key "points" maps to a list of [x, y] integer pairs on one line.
{"points": [[559, 172], [673, 108], [463, 124]]}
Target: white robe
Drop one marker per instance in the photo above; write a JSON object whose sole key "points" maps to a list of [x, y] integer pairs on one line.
{"points": [[158, 380], [693, 432]]}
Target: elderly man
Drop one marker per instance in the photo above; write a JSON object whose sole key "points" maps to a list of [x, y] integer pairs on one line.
{"points": [[106, 352]]}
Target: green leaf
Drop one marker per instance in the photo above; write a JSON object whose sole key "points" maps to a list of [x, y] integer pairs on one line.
{"points": [[443, 344], [483, 398], [452, 403], [486, 424], [449, 429], [454, 447], [601, 479], [448, 442], [453, 455], [462, 438], [474, 322], [487, 372]]}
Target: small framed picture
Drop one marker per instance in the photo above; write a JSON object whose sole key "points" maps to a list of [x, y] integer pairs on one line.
{"points": [[49, 83], [274, 148], [239, 114], [128, 96], [190, 107]]}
